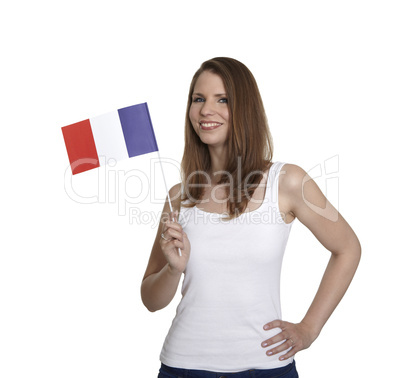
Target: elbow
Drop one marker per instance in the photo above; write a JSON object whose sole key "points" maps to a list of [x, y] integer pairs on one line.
{"points": [[150, 309], [148, 305], [355, 257], [351, 254], [144, 299], [357, 252], [147, 300], [152, 306]]}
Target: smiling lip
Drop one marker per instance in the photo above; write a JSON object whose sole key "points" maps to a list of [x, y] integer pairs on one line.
{"points": [[209, 125]]}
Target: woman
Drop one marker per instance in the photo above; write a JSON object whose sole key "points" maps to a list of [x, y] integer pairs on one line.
{"points": [[236, 210]]}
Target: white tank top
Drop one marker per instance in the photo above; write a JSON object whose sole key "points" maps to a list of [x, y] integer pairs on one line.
{"points": [[230, 288]]}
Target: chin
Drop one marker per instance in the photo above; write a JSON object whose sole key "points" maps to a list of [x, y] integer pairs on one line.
{"points": [[214, 142]]}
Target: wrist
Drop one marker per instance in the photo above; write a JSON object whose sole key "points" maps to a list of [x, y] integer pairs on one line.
{"points": [[173, 271], [312, 327]]}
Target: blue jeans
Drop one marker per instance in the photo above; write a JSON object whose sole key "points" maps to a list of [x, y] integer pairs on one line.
{"points": [[288, 371]]}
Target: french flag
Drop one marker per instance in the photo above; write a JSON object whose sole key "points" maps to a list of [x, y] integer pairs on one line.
{"points": [[117, 135]]}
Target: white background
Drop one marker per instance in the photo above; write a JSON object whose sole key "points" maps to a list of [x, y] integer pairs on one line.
{"points": [[70, 273]]}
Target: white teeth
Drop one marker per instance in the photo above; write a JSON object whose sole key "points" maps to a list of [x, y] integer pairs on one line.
{"points": [[210, 124]]}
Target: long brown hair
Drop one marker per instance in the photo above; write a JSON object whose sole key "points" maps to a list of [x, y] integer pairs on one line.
{"points": [[249, 139]]}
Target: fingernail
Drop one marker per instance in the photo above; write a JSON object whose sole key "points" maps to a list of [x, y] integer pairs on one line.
{"points": [[264, 344], [270, 353], [266, 327]]}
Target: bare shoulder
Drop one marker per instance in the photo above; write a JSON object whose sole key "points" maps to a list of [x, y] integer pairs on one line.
{"points": [[290, 184], [291, 178], [302, 197]]}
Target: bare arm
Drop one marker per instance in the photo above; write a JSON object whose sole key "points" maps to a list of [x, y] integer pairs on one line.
{"points": [[301, 197], [165, 267]]}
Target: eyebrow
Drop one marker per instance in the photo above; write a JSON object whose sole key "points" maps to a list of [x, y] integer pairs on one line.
{"points": [[216, 95]]}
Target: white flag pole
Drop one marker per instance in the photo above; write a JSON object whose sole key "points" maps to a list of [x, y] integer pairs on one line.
{"points": [[167, 191]]}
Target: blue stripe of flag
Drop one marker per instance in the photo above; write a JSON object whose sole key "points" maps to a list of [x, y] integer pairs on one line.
{"points": [[137, 130]]}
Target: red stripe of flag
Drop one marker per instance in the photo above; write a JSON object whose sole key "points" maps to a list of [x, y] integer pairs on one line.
{"points": [[80, 145]]}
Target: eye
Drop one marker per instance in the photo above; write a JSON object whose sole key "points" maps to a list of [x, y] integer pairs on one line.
{"points": [[198, 99], [223, 100]]}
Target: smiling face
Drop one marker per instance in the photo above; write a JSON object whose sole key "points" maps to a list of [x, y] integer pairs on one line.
{"points": [[209, 111]]}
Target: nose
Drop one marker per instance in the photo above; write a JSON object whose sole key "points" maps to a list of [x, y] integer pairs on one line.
{"points": [[207, 108]]}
